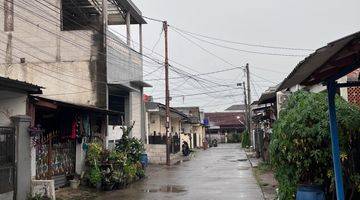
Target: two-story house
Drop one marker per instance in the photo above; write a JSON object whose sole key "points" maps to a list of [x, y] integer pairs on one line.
{"points": [[92, 81]]}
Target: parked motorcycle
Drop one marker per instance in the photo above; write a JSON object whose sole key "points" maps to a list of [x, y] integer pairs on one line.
{"points": [[214, 143], [185, 149]]}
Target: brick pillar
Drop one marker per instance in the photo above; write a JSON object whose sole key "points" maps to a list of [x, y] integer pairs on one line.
{"points": [[22, 156]]}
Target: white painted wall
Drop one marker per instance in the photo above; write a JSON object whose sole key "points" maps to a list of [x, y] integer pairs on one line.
{"points": [[11, 103]]}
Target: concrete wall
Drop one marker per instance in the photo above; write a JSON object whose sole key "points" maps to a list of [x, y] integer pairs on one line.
{"points": [[157, 123], [176, 125], [184, 138], [11, 104], [156, 153], [124, 64], [66, 63], [154, 124]]}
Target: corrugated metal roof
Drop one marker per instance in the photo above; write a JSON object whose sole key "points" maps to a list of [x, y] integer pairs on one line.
{"points": [[151, 106], [226, 119], [8, 83], [269, 96], [236, 107], [316, 61], [78, 106]]}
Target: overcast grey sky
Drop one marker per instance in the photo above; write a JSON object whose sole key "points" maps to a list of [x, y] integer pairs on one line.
{"points": [[298, 24]]}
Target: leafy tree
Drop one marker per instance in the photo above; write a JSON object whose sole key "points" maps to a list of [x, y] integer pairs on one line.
{"points": [[300, 147]]}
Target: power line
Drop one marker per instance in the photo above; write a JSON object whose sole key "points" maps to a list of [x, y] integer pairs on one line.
{"points": [[243, 43], [201, 74], [203, 80], [242, 50], [196, 94]]}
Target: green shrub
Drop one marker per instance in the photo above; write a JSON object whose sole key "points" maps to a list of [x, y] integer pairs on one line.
{"points": [[118, 166], [95, 175], [132, 147], [245, 139], [234, 138], [300, 147], [94, 153]]}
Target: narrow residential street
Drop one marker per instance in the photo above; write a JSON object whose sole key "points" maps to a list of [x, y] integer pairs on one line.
{"points": [[221, 173]]}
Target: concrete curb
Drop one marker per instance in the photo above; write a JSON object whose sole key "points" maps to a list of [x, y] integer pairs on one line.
{"points": [[252, 169]]}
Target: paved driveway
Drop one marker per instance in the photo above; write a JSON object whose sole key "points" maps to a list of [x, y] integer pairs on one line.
{"points": [[218, 173]]}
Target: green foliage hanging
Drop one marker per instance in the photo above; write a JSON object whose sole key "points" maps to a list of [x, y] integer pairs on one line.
{"points": [[300, 147], [245, 139]]}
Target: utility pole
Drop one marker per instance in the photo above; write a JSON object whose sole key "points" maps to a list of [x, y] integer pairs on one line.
{"points": [[167, 95], [246, 107], [248, 100]]}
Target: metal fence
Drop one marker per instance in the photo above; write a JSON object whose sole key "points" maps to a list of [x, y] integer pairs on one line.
{"points": [[7, 159], [157, 139], [175, 142]]}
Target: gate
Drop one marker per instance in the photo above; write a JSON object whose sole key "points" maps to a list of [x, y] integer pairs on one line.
{"points": [[175, 144], [7, 159]]}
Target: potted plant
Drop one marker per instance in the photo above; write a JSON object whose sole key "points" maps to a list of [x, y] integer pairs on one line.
{"points": [[130, 172], [118, 178], [95, 177], [75, 182], [108, 183]]}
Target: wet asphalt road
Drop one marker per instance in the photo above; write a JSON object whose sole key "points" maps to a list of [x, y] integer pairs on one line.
{"points": [[218, 173]]}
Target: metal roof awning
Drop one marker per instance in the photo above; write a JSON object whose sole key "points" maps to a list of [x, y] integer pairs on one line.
{"points": [[7, 83], [117, 10], [269, 96], [325, 62], [114, 86], [140, 84], [55, 104], [161, 108]]}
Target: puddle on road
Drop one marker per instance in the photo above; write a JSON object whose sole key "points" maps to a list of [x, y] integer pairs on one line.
{"points": [[243, 168], [181, 161], [167, 189], [242, 160], [239, 160]]}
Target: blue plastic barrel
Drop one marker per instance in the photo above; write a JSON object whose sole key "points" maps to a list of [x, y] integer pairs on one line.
{"points": [[144, 160], [308, 192]]}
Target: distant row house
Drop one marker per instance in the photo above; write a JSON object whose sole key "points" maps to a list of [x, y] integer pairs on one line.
{"points": [[185, 126], [223, 126], [71, 80]]}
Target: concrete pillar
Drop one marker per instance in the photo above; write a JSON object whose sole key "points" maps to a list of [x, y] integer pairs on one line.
{"points": [[80, 158], [23, 156], [142, 117], [128, 31], [140, 39]]}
